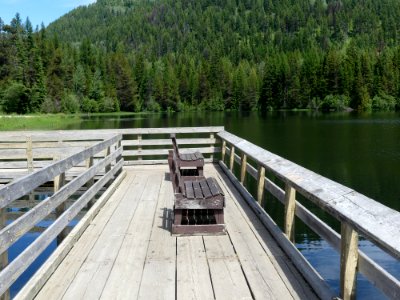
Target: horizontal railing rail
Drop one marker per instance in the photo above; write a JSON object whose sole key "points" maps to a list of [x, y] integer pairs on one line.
{"points": [[357, 214], [87, 184]]}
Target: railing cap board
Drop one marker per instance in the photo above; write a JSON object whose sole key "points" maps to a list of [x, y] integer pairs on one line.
{"points": [[371, 218], [169, 130], [41, 136], [101, 133]]}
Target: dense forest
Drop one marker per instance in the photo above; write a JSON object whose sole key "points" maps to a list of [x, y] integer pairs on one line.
{"points": [[173, 55]]}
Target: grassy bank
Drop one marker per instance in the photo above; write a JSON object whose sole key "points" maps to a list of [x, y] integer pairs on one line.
{"points": [[38, 122]]}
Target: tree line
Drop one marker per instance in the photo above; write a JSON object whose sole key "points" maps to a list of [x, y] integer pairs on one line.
{"points": [[212, 55]]}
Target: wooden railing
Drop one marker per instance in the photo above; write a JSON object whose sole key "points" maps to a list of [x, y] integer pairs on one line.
{"points": [[24, 152], [151, 145], [103, 161], [140, 145], [356, 213]]}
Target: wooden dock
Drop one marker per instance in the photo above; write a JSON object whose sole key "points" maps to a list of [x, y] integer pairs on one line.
{"points": [[122, 247], [127, 251]]}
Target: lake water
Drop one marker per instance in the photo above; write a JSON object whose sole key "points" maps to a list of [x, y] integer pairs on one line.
{"points": [[361, 151]]}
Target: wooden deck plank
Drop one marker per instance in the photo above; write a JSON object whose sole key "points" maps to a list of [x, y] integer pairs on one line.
{"points": [[226, 273], [158, 280], [126, 274], [193, 277], [90, 281], [69, 268]]}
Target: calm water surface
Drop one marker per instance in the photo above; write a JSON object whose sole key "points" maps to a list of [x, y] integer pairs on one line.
{"points": [[361, 151]]}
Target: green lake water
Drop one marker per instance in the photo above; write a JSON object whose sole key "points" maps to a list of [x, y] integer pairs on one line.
{"points": [[361, 151]]}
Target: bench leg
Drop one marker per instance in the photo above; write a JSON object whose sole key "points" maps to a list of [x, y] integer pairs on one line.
{"points": [[177, 216], [219, 216], [200, 171]]}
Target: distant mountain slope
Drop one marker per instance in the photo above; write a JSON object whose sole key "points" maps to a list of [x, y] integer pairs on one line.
{"points": [[237, 28]]}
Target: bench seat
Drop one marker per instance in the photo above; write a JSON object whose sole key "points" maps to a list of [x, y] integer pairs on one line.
{"points": [[200, 193]]}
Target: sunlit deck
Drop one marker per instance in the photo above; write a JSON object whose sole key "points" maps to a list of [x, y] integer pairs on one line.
{"points": [[122, 247], [128, 252]]}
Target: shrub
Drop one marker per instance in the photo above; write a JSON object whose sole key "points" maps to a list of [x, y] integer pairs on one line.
{"points": [[108, 104], [48, 106], [383, 102], [89, 105], [70, 104], [16, 98], [335, 103], [153, 106]]}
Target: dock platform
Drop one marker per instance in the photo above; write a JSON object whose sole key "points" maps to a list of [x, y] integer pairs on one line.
{"points": [[116, 184], [128, 252]]}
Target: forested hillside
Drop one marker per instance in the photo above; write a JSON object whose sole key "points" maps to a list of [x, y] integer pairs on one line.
{"points": [[136, 55]]}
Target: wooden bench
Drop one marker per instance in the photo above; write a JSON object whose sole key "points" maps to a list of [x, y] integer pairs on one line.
{"points": [[199, 202], [191, 161]]}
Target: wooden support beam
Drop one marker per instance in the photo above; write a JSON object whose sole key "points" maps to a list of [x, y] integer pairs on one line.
{"points": [[108, 167], [232, 158], [290, 207], [139, 139], [348, 262], [223, 150], [243, 168], [212, 145], [119, 145], [59, 182], [29, 160], [4, 255], [260, 183], [29, 153], [89, 164]]}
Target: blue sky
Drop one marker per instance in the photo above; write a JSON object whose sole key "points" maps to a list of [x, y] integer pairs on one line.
{"points": [[38, 11]]}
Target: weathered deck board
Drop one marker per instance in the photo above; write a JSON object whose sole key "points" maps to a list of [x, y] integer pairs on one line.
{"points": [[226, 272], [158, 281], [193, 276], [128, 252]]}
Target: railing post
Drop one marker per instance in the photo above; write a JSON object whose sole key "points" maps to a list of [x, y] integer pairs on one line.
{"points": [[232, 158], [290, 206], [223, 150], [212, 145], [243, 168], [4, 255], [348, 262], [139, 139], [59, 182], [89, 164], [260, 183], [119, 145], [29, 160], [29, 153], [108, 152]]}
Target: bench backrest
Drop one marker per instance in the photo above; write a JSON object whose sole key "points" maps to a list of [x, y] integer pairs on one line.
{"points": [[176, 176], [175, 144]]}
